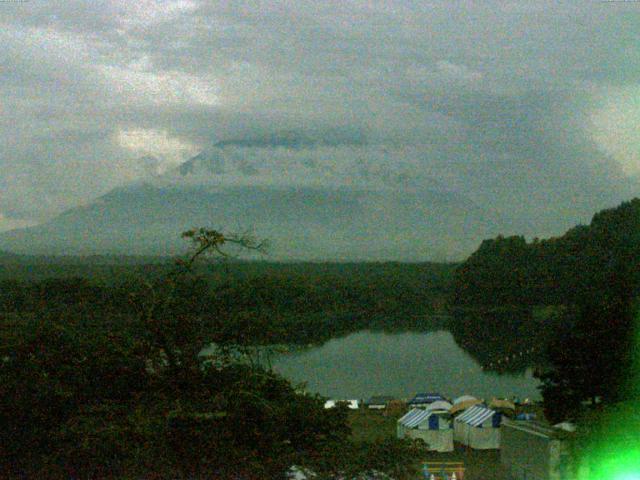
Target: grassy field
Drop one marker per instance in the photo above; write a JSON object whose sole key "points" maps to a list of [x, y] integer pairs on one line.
{"points": [[480, 465]]}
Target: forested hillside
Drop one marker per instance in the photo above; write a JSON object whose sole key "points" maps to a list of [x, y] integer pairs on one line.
{"points": [[582, 262], [592, 276], [301, 302]]}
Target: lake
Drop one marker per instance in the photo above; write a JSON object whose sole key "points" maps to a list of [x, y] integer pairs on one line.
{"points": [[400, 364]]}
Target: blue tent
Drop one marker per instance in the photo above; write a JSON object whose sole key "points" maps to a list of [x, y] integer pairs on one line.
{"points": [[425, 399], [478, 427], [432, 427]]}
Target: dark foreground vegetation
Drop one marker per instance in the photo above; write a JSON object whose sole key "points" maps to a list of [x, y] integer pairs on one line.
{"points": [[107, 380], [298, 303]]}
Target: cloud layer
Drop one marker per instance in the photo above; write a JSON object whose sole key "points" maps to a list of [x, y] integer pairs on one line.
{"points": [[527, 107]]}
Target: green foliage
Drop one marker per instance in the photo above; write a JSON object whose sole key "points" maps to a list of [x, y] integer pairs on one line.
{"points": [[394, 457], [109, 380], [269, 303], [593, 271], [567, 269], [498, 273], [591, 358], [54, 365]]}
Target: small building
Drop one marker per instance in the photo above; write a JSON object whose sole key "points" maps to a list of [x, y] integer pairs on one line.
{"points": [[532, 450], [433, 427], [378, 402], [478, 428], [424, 399]]}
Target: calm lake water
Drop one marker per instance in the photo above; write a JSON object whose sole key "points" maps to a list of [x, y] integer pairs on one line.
{"points": [[399, 364]]}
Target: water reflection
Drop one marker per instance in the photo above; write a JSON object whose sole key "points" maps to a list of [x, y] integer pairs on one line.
{"points": [[367, 363]]}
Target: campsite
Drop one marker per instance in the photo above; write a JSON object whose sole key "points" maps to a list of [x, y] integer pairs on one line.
{"points": [[473, 456], [478, 464]]}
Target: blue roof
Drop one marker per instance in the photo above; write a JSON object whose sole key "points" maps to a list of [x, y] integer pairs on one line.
{"points": [[426, 398], [417, 416], [414, 417]]}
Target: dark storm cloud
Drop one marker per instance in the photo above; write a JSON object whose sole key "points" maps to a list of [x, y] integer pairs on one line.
{"points": [[495, 99]]}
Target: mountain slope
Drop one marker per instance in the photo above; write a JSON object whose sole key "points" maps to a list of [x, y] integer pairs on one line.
{"points": [[319, 202], [309, 223]]}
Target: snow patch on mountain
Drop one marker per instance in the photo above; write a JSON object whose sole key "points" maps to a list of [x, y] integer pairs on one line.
{"points": [[319, 166]]}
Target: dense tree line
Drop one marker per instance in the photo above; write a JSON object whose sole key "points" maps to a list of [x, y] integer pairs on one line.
{"points": [[593, 273], [301, 303], [564, 270], [110, 381]]}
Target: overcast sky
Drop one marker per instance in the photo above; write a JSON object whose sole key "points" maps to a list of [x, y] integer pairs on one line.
{"points": [[529, 106]]}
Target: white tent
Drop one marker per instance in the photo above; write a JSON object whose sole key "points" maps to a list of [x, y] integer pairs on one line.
{"points": [[433, 427], [351, 404], [464, 398], [439, 405], [462, 406], [479, 428]]}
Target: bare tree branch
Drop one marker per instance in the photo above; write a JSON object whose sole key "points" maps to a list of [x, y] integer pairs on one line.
{"points": [[161, 294]]}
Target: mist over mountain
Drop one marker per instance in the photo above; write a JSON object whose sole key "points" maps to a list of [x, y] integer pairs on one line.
{"points": [[301, 223], [522, 116], [327, 194], [313, 200]]}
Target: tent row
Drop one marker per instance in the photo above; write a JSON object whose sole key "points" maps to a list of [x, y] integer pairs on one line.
{"points": [[478, 427], [422, 400]]}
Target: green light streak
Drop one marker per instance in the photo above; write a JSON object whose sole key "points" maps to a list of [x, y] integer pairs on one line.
{"points": [[621, 465], [613, 451]]}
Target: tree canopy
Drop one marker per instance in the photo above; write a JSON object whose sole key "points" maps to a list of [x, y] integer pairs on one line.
{"points": [[115, 383], [594, 273]]}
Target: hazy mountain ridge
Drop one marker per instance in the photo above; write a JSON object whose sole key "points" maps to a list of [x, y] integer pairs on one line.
{"points": [[301, 223], [323, 203]]}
